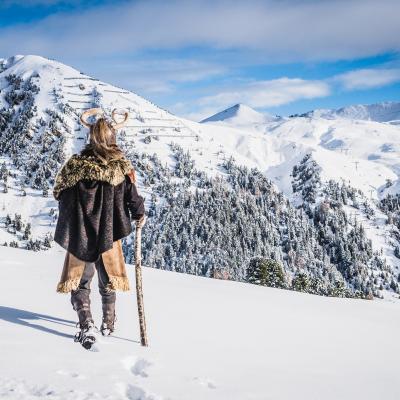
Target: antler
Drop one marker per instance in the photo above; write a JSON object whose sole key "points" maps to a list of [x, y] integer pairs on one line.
{"points": [[117, 124], [89, 113]]}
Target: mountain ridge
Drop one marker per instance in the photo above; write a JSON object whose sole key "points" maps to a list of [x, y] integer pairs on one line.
{"points": [[385, 111], [239, 114]]}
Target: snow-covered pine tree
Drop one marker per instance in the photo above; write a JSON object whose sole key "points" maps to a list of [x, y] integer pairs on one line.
{"points": [[266, 272], [306, 178]]}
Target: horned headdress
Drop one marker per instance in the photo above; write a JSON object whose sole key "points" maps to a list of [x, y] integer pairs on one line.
{"points": [[98, 111]]}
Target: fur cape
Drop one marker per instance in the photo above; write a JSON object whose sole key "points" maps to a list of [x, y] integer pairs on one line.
{"points": [[80, 167], [95, 202]]}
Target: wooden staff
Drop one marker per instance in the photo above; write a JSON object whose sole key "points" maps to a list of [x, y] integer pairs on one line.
{"points": [[139, 287]]}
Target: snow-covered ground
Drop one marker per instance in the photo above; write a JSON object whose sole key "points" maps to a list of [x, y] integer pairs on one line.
{"points": [[209, 339]]}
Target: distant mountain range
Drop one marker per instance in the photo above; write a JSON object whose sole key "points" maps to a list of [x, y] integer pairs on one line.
{"points": [[241, 114], [379, 112]]}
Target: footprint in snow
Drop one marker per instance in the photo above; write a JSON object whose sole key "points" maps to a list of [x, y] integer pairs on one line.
{"points": [[70, 374], [137, 366], [135, 392], [205, 382]]}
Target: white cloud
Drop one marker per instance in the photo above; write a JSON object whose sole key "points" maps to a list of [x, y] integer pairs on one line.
{"points": [[277, 31], [257, 94], [176, 70], [110, 42], [368, 78], [271, 93], [153, 76]]}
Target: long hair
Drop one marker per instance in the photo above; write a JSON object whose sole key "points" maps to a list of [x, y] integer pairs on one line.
{"points": [[102, 142]]}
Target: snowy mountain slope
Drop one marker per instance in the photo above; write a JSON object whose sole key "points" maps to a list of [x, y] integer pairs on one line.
{"points": [[40, 104], [359, 141], [365, 153], [209, 339], [379, 112], [379, 141], [361, 152], [67, 91]]}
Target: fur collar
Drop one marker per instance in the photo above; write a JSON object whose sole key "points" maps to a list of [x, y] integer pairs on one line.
{"points": [[89, 167]]}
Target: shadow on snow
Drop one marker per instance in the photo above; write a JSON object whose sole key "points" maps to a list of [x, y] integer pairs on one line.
{"points": [[27, 318], [24, 318]]}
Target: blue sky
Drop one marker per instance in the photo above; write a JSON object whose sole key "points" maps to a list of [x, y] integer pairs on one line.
{"points": [[195, 58]]}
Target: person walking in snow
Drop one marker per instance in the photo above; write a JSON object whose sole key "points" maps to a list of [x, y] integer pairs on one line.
{"points": [[97, 199]]}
